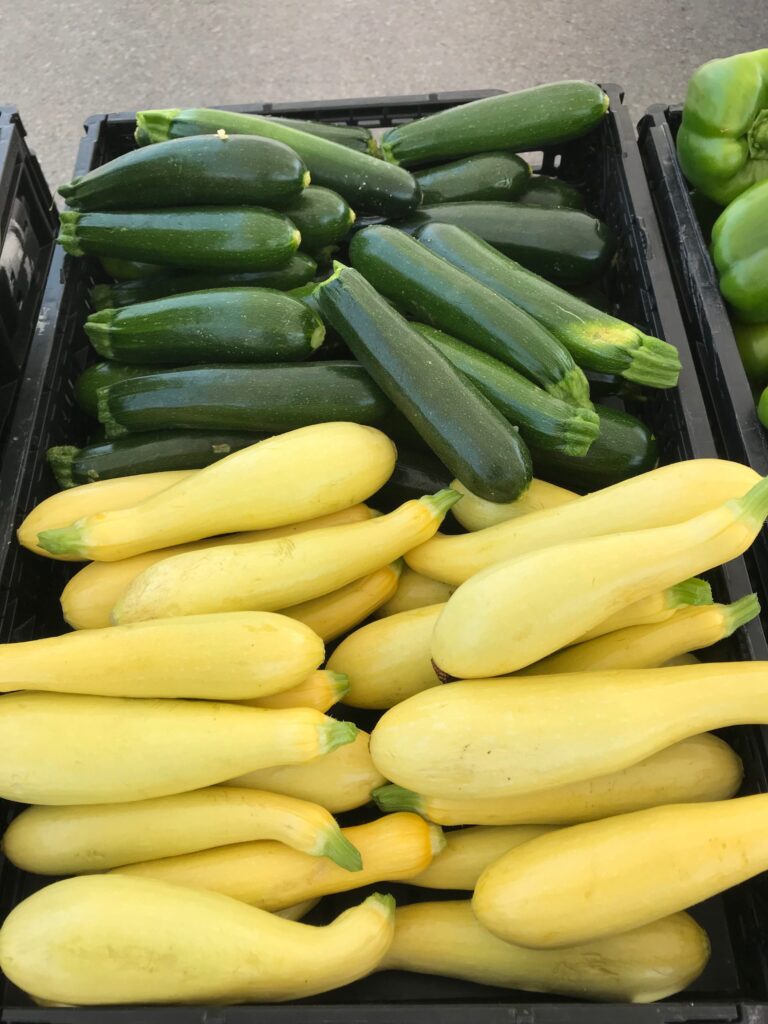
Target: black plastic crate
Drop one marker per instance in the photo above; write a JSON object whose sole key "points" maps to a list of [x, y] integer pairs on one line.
{"points": [[607, 166]]}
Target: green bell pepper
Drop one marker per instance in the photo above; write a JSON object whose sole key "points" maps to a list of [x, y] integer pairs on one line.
{"points": [[752, 342], [722, 144], [762, 408], [740, 252]]}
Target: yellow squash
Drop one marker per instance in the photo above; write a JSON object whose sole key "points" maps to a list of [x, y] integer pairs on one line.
{"points": [[501, 737], [219, 657], [89, 597], [273, 574], [333, 614], [477, 514], [298, 910], [665, 496], [415, 591], [105, 939], [388, 660], [602, 878], [320, 691], [339, 781], [697, 769], [94, 837], [299, 475], [271, 875], [65, 507], [66, 749], [640, 966], [657, 608], [689, 629], [519, 611]]}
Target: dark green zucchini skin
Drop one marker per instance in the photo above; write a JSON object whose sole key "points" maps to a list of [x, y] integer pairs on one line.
{"points": [[500, 176], [266, 399], [226, 325], [322, 217], [206, 170], [464, 430], [351, 136], [554, 193], [624, 448], [300, 269], [103, 375], [369, 185], [144, 453], [435, 292], [130, 270], [567, 246], [416, 473], [218, 238], [518, 121]]}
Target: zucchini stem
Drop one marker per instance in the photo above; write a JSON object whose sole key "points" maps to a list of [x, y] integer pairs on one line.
{"points": [[572, 388], [68, 239], [654, 363], [60, 459], [154, 125]]}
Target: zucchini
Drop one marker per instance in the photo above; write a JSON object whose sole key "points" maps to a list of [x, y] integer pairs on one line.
{"points": [[227, 325], [415, 473], [130, 270], [521, 121], [207, 170], [432, 290], [623, 448], [596, 340], [300, 269], [552, 192], [466, 432], [143, 453], [485, 176], [213, 238], [263, 399], [369, 185], [543, 420], [322, 217], [103, 375], [567, 246]]}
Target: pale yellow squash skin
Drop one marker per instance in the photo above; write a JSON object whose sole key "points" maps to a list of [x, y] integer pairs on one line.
{"points": [[271, 875], [320, 691], [640, 966], [89, 597], [664, 496], [502, 737], [388, 660], [336, 613], [110, 939], [65, 507], [298, 910], [415, 591], [272, 574], [476, 513], [602, 878], [469, 851], [218, 657], [519, 611], [697, 769], [96, 837], [69, 749], [339, 781], [294, 476]]}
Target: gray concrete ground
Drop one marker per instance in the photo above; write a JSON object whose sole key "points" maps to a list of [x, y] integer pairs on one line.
{"points": [[65, 59]]}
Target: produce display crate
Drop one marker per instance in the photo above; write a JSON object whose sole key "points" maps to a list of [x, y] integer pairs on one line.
{"points": [[28, 225], [730, 402], [607, 166]]}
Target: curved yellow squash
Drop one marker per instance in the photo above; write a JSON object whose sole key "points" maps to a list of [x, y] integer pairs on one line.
{"points": [[641, 966], [105, 939], [476, 513], [604, 877], [320, 691], [336, 613], [415, 591], [656, 608], [285, 479]]}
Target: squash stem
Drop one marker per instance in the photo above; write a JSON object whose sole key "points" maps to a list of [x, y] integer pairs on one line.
{"points": [[739, 613], [752, 509], [339, 685], [396, 798], [693, 591], [332, 734], [339, 849], [438, 504], [66, 540]]}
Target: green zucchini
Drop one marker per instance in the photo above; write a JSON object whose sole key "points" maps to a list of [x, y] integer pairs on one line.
{"points": [[519, 121], [227, 325], [464, 430], [567, 246], [130, 270], [322, 217], [432, 290], [543, 420], [552, 192], [143, 453], [624, 448], [212, 238], [265, 399], [415, 473], [485, 176], [102, 375], [369, 185], [596, 340], [300, 269], [206, 170]]}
